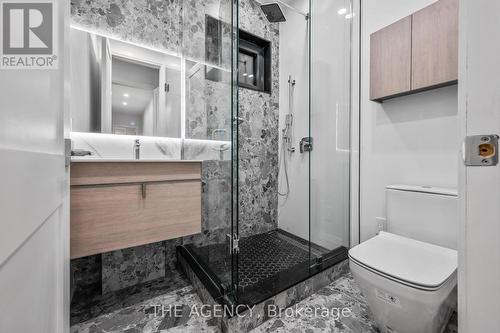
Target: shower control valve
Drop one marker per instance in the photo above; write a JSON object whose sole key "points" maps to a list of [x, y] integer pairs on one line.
{"points": [[306, 144]]}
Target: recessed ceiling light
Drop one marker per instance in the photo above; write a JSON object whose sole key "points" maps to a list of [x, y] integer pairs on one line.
{"points": [[349, 16], [342, 11], [125, 103], [125, 95]]}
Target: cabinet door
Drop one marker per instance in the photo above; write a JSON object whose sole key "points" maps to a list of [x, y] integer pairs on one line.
{"points": [[435, 45], [390, 60], [107, 218]]}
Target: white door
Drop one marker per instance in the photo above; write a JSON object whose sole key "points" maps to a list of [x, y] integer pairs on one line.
{"points": [[34, 223], [479, 94]]}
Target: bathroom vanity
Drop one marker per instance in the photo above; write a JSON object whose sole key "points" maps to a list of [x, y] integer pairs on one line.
{"points": [[117, 204]]}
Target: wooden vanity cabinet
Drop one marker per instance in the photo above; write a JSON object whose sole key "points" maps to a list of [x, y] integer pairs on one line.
{"points": [[120, 205]]}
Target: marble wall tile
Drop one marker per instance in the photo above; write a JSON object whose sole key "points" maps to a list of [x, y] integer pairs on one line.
{"points": [[149, 22], [127, 267], [86, 273], [218, 109], [195, 30], [206, 150], [196, 113], [110, 146], [216, 204], [136, 265], [259, 135], [208, 104]]}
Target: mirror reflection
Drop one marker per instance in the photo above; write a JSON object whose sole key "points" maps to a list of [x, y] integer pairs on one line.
{"points": [[123, 88]]}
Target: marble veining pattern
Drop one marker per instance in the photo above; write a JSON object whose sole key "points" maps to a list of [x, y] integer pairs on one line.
{"points": [[216, 204], [154, 23], [259, 135], [343, 293], [140, 317], [147, 317], [88, 303], [124, 268], [86, 273]]}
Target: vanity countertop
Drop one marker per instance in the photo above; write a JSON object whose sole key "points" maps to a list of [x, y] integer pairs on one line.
{"points": [[125, 160]]}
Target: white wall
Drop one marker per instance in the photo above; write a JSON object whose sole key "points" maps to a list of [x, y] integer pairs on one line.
{"points": [[408, 140], [293, 214], [330, 126], [126, 119]]}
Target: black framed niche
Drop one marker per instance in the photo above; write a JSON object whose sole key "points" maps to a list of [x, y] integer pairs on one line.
{"points": [[254, 62]]}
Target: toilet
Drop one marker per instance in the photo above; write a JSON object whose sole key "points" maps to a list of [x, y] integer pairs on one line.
{"points": [[408, 273]]}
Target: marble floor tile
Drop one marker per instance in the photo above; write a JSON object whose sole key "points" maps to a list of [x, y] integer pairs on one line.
{"points": [[143, 315], [148, 316], [90, 303], [342, 293]]}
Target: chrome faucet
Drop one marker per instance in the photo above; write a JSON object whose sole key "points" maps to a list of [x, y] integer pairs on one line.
{"points": [[137, 149]]}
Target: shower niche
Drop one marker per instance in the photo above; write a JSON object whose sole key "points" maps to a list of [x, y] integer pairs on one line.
{"points": [[254, 62], [254, 56]]}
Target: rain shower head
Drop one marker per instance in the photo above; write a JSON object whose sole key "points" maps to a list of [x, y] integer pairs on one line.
{"points": [[273, 12]]}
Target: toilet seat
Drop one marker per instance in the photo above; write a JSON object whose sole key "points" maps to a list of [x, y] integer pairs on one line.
{"points": [[406, 261]]}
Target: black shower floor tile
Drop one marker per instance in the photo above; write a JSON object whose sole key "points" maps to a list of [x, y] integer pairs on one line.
{"points": [[267, 263]]}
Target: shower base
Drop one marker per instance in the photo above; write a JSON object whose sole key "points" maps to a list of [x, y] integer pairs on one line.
{"points": [[267, 264]]}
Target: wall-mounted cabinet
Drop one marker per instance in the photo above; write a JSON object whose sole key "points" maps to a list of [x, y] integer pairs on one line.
{"points": [[115, 205], [417, 53], [390, 60]]}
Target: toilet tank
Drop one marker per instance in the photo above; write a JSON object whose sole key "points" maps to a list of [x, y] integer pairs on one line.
{"points": [[425, 213]]}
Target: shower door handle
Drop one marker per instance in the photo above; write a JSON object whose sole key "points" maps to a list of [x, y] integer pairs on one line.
{"points": [[306, 144], [238, 120]]}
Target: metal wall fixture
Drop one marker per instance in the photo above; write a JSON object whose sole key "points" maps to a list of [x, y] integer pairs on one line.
{"points": [[481, 150], [137, 149], [306, 144]]}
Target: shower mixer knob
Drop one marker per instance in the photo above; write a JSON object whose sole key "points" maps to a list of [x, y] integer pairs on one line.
{"points": [[306, 144]]}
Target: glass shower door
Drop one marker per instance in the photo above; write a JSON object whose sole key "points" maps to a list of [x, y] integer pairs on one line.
{"points": [[233, 237], [330, 112], [210, 106]]}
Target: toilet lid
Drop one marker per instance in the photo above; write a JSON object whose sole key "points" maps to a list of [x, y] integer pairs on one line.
{"points": [[418, 263]]}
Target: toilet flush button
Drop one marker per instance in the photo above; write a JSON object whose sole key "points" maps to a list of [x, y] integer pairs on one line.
{"points": [[387, 297]]}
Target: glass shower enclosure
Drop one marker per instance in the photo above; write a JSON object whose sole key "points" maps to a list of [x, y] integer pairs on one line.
{"points": [[276, 212]]}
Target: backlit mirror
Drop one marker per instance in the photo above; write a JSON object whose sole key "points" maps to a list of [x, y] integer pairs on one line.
{"points": [[123, 88]]}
